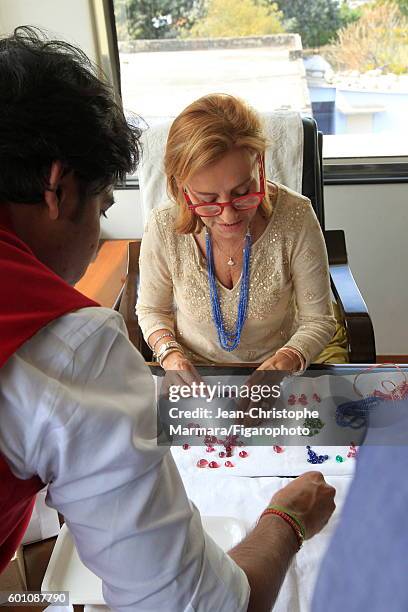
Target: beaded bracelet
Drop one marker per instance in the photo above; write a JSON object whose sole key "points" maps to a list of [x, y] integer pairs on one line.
{"points": [[292, 516], [290, 521]]}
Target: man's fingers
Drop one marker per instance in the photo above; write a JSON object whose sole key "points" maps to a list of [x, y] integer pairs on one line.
{"points": [[313, 475]]}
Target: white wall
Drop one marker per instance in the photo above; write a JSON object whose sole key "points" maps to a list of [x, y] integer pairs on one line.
{"points": [[375, 221], [70, 21], [125, 217]]}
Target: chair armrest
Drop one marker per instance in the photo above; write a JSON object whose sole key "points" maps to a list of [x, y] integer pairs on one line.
{"points": [[127, 303], [357, 321]]}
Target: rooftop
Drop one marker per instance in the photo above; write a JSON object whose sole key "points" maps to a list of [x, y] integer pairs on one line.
{"points": [[160, 83], [374, 80]]}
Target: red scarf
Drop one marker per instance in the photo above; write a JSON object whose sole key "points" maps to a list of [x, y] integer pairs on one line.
{"points": [[31, 296]]}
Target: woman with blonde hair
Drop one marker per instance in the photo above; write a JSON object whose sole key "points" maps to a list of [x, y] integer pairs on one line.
{"points": [[233, 268]]}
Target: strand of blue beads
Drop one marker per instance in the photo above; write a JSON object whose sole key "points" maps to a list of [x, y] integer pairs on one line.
{"points": [[229, 340], [313, 457]]}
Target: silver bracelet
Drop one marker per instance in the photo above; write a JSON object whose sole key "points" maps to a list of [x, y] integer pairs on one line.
{"points": [[166, 348], [167, 352], [166, 335], [290, 351]]}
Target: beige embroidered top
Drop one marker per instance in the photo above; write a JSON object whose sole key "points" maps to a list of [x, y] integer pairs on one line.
{"points": [[289, 291]]}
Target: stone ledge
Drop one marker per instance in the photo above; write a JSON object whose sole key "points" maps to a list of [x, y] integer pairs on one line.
{"points": [[291, 41]]}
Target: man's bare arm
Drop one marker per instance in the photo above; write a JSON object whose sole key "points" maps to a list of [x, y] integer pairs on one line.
{"points": [[265, 554]]}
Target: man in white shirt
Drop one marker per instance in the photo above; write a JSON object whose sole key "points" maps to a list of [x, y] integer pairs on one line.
{"points": [[77, 401]]}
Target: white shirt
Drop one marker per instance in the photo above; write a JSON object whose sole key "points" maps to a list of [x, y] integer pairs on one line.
{"points": [[77, 407]]}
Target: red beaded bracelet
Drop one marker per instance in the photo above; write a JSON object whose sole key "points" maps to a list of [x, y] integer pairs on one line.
{"points": [[289, 520]]}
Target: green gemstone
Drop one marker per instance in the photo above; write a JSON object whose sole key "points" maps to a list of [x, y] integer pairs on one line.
{"points": [[339, 459]]}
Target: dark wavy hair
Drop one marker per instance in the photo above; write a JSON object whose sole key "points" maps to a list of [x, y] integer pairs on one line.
{"points": [[54, 107]]}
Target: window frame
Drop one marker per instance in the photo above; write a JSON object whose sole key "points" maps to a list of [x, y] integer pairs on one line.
{"points": [[365, 170], [336, 171]]}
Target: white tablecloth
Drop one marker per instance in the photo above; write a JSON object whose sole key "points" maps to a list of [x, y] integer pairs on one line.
{"points": [[217, 494], [222, 492], [264, 461]]}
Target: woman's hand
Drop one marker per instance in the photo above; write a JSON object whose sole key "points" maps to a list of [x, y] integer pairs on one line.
{"points": [[179, 367], [281, 361], [288, 362]]}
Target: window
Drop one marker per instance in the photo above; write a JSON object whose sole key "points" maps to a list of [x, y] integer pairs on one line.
{"points": [[344, 62]]}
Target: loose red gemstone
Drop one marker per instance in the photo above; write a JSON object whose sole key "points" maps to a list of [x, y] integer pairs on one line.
{"points": [[228, 454], [209, 449], [229, 464], [202, 463], [243, 454], [186, 446], [278, 449], [291, 399], [221, 454], [228, 449], [213, 464]]}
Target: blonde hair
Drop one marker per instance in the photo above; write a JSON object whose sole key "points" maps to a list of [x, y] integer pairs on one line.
{"points": [[201, 135]]}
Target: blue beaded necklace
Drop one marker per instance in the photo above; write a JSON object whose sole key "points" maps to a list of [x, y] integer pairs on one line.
{"points": [[229, 340]]}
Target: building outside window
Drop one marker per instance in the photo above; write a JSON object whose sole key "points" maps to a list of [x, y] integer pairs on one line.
{"points": [[344, 62]]}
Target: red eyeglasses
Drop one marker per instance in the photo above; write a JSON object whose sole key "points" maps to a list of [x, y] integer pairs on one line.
{"points": [[245, 202]]}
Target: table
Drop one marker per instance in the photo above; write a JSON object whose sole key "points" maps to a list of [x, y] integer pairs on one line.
{"points": [[103, 282], [106, 275]]}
